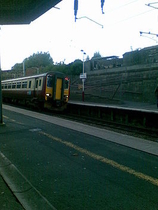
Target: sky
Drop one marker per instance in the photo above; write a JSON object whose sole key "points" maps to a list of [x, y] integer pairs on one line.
{"points": [[57, 33]]}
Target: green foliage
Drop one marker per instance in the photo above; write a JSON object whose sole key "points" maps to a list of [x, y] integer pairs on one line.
{"points": [[44, 63], [38, 60], [87, 58], [96, 55], [17, 67], [74, 68]]}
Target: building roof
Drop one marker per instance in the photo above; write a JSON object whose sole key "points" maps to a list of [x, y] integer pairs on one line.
{"points": [[23, 11]]}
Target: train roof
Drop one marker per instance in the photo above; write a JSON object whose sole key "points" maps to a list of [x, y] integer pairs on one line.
{"points": [[34, 76]]}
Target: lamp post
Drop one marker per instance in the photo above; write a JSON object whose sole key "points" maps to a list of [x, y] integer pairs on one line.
{"points": [[24, 68], [83, 75]]}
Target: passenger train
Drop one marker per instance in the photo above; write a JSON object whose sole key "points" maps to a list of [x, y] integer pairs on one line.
{"points": [[49, 90]]}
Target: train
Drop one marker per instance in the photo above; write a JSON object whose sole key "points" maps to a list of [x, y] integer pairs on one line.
{"points": [[49, 90]]}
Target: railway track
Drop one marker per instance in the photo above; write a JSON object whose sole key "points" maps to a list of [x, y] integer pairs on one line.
{"points": [[147, 134], [140, 132]]}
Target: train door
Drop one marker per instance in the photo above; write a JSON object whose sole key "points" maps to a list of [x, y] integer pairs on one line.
{"points": [[36, 87], [66, 89], [58, 94]]}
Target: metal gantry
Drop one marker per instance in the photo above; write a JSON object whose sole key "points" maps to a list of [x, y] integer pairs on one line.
{"points": [[152, 5], [149, 33]]}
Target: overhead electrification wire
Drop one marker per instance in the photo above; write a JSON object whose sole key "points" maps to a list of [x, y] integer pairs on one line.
{"points": [[151, 5], [154, 3], [150, 38], [141, 32], [121, 6], [134, 16], [91, 20], [149, 33]]}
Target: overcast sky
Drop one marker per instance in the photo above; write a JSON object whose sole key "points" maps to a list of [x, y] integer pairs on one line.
{"points": [[57, 32]]}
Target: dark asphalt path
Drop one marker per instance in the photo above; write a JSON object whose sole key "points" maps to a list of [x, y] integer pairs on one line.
{"points": [[7, 200], [74, 170]]}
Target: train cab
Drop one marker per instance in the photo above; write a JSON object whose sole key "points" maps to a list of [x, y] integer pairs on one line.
{"points": [[54, 89]]}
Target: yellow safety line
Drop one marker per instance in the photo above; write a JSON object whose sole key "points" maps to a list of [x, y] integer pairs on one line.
{"points": [[114, 164], [5, 117]]}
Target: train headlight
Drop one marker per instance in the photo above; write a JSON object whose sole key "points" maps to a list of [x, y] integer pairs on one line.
{"points": [[48, 94]]}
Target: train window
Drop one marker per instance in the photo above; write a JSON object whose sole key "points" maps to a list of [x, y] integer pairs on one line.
{"points": [[49, 81], [36, 83], [2, 86], [9, 86], [29, 84], [13, 85], [5, 86], [66, 85], [18, 84], [39, 82], [24, 84]]}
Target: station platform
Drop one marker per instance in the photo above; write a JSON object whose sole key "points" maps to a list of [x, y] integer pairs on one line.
{"points": [[7, 198], [9, 201], [134, 114], [126, 104]]}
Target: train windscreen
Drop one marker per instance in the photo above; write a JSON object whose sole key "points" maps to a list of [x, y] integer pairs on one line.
{"points": [[49, 81]]}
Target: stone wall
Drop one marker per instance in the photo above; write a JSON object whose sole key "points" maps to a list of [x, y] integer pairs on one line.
{"points": [[134, 84], [146, 55]]}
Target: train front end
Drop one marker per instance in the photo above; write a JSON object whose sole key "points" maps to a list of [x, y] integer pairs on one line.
{"points": [[54, 91]]}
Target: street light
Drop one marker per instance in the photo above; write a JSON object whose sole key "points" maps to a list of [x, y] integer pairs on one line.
{"points": [[83, 79]]}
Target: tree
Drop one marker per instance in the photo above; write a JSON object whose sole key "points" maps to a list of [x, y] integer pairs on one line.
{"points": [[17, 67], [44, 63], [75, 68], [96, 55], [87, 58], [39, 60]]}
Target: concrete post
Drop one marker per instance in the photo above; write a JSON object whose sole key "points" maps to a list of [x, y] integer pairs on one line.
{"points": [[1, 118]]}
